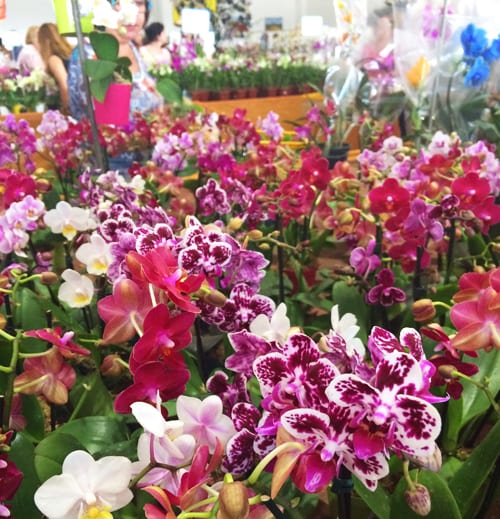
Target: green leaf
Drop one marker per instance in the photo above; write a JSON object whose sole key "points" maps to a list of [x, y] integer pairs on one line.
{"points": [[170, 90], [97, 69], [96, 432], [443, 504], [99, 87], [22, 454], [97, 400], [378, 500], [474, 401], [35, 426], [50, 453], [30, 313], [467, 482], [105, 45]]}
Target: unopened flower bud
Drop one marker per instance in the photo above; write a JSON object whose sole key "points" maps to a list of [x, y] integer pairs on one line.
{"points": [[423, 310], [3, 321], [345, 218], [255, 234], [264, 246], [432, 462], [215, 298], [48, 278], [419, 499], [233, 501], [235, 224], [43, 185], [495, 247], [4, 282], [111, 366], [447, 371]]}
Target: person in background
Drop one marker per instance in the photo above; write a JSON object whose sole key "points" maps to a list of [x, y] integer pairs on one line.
{"points": [[29, 58], [55, 52], [145, 97], [153, 51], [5, 56]]}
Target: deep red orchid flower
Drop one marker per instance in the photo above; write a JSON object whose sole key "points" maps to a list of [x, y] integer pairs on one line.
{"points": [[389, 197], [159, 267], [471, 190], [153, 377], [164, 335]]}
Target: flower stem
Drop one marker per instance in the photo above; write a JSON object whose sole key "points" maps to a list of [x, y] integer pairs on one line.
{"points": [[9, 386], [81, 401], [483, 385], [141, 474], [406, 474]]}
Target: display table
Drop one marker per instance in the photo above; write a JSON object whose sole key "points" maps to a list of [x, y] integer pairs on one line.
{"points": [[290, 109]]}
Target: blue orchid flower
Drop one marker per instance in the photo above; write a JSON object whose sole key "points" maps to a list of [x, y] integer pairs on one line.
{"points": [[492, 53], [478, 73], [474, 41]]}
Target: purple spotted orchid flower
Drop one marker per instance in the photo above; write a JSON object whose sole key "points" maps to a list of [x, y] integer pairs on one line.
{"points": [[203, 250], [212, 199], [296, 377], [387, 414]]}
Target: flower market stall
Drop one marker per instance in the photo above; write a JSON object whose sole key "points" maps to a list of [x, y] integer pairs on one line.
{"points": [[243, 324]]}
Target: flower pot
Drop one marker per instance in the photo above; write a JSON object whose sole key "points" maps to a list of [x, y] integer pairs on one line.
{"points": [[200, 95], [239, 93], [222, 95], [65, 21], [116, 106], [269, 91], [337, 154], [252, 92]]}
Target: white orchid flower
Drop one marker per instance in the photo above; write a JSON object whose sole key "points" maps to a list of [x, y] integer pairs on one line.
{"points": [[96, 255], [86, 488], [77, 291], [347, 328], [275, 329], [67, 220]]}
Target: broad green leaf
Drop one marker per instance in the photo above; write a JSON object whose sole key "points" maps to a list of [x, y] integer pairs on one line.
{"points": [[30, 314], [50, 453], [22, 454], [170, 90], [96, 432], [378, 501], [97, 400], [105, 45], [467, 482], [443, 504], [99, 87], [99, 69], [474, 401], [35, 426]]}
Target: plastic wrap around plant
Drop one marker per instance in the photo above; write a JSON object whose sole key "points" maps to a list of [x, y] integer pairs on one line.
{"points": [[446, 61]]}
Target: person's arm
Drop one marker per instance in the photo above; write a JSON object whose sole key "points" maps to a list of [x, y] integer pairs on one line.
{"points": [[57, 69]]}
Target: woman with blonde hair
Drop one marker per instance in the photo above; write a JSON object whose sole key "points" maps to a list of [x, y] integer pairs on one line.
{"points": [[55, 52], [29, 58]]}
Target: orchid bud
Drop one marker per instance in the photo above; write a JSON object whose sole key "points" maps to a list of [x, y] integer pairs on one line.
{"points": [[3, 321], [233, 501], [418, 499], [215, 298], [346, 218], [111, 366], [432, 462], [255, 234], [264, 246], [423, 310], [235, 224], [43, 185], [447, 371], [48, 278]]}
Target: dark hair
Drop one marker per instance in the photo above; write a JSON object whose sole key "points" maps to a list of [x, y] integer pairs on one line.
{"points": [[152, 31]]}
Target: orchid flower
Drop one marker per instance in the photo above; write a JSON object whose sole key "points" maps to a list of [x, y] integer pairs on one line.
{"points": [[86, 488], [67, 220], [77, 291], [96, 255]]}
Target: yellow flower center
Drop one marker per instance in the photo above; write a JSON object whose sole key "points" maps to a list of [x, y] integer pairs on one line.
{"points": [[99, 266], [68, 231], [97, 512]]}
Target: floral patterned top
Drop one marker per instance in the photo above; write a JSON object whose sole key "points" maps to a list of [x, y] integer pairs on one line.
{"points": [[144, 98]]}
